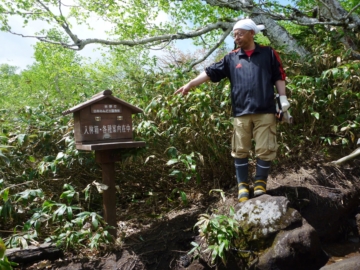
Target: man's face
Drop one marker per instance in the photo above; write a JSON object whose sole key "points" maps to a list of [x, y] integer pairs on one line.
{"points": [[244, 38]]}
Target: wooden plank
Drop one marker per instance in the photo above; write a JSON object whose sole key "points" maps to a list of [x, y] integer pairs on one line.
{"points": [[110, 145]]}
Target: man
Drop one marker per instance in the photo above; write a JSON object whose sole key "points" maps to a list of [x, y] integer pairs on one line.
{"points": [[253, 70]]}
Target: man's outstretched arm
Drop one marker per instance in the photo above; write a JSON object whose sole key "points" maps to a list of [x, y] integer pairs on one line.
{"points": [[203, 77]]}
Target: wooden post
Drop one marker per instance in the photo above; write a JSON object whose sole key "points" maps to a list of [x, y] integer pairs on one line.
{"points": [[106, 159]]}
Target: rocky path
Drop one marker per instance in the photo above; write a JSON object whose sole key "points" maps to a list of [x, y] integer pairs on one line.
{"points": [[327, 197]]}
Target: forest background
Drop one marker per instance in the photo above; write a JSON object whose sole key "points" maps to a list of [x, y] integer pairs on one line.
{"points": [[49, 190]]}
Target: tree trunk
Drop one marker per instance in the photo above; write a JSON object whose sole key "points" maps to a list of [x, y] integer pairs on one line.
{"points": [[279, 36]]}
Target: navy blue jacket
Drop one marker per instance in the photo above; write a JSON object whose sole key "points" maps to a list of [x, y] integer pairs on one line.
{"points": [[252, 79]]}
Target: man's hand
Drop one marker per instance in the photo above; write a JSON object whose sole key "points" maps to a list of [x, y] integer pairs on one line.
{"points": [[284, 103], [183, 89]]}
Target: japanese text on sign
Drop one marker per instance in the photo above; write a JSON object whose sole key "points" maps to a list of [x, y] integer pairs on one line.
{"points": [[106, 108], [107, 129]]}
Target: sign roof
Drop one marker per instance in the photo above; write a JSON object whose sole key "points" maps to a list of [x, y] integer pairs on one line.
{"points": [[100, 96]]}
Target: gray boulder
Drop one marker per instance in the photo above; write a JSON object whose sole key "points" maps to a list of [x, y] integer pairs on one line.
{"points": [[283, 238]]}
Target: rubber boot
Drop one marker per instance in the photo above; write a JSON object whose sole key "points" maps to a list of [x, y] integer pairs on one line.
{"points": [[242, 168], [262, 172]]}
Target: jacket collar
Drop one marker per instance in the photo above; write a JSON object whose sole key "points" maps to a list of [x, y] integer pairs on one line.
{"points": [[241, 51]]}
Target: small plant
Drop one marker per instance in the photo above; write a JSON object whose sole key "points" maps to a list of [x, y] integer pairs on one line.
{"points": [[65, 222], [186, 169], [88, 228], [72, 230], [219, 231]]}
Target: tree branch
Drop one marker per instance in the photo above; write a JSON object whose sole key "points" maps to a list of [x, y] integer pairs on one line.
{"points": [[221, 40], [21, 13], [351, 11], [43, 39], [80, 44], [354, 154], [330, 11], [63, 24]]}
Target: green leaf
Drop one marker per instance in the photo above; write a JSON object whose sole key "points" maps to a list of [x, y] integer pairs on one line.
{"points": [[53, 167], [84, 214], [5, 158], [68, 187], [37, 225], [31, 158], [195, 247], [2, 249], [24, 243], [69, 212], [59, 212], [183, 197], [60, 155], [48, 158], [232, 211], [175, 172], [316, 115], [5, 265], [222, 193], [5, 194], [221, 249], [94, 222], [214, 253], [335, 71], [226, 244], [22, 138], [87, 192], [148, 158], [48, 204], [172, 161]]}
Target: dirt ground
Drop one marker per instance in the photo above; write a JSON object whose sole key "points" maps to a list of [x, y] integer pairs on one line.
{"points": [[153, 241]]}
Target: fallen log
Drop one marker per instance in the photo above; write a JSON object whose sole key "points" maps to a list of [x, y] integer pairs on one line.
{"points": [[34, 253]]}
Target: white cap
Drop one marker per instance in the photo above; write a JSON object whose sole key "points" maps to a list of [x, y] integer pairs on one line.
{"points": [[248, 24]]}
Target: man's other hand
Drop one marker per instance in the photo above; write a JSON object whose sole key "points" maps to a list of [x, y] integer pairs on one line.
{"points": [[284, 103]]}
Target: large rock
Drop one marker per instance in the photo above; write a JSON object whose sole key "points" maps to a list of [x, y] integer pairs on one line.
{"points": [[285, 240], [352, 263], [327, 196], [294, 249], [264, 216]]}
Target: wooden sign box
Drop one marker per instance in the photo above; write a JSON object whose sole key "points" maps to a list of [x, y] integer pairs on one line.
{"points": [[104, 122]]}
